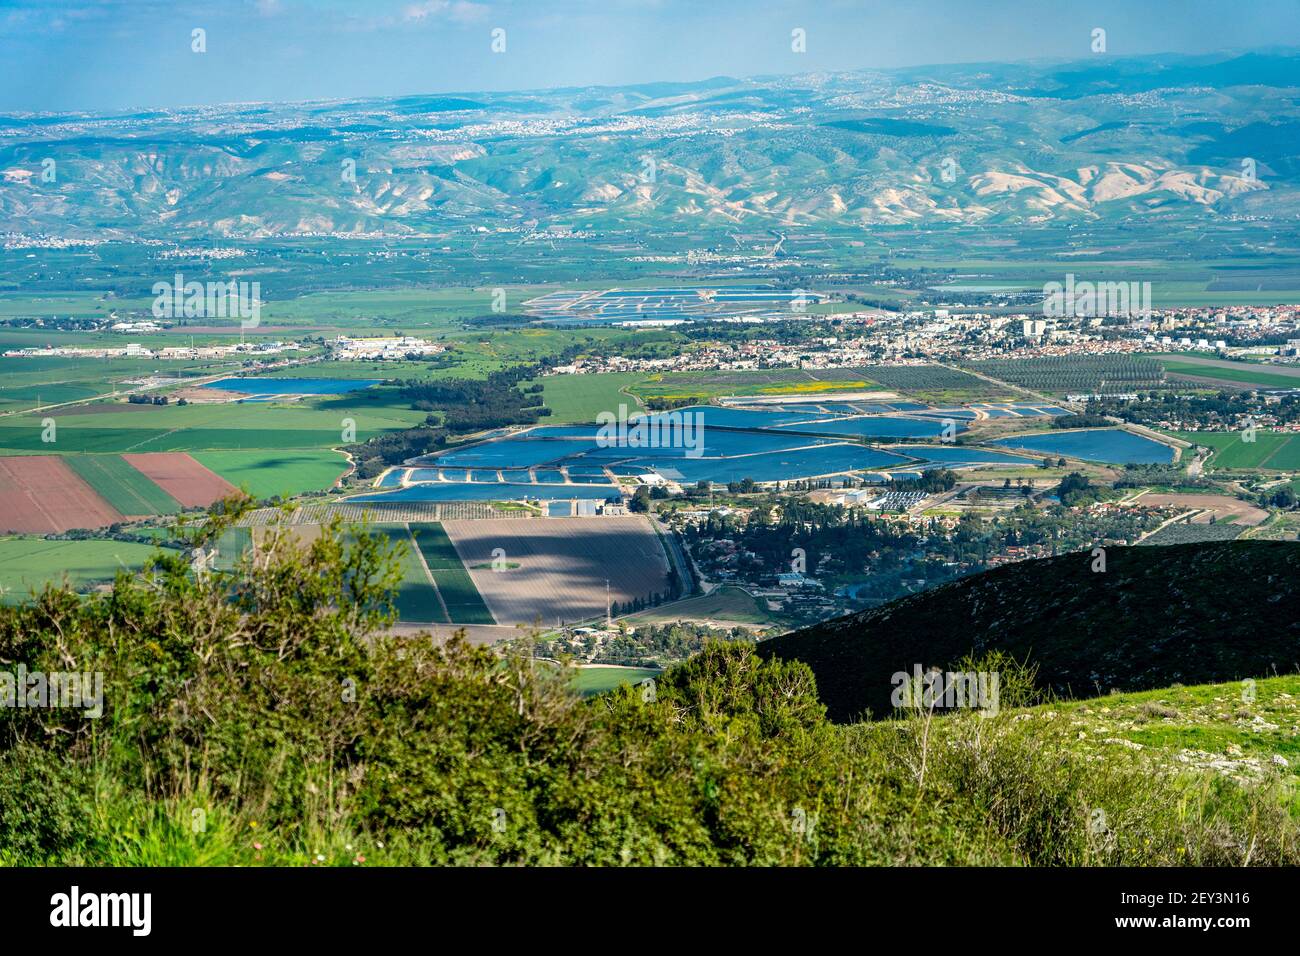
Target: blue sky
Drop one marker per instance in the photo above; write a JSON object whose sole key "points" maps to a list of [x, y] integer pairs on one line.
{"points": [[119, 54]]}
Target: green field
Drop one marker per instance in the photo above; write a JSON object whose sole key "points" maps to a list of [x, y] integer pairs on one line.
{"points": [[597, 680], [19, 397], [930, 383], [725, 604], [579, 399], [702, 386], [416, 598], [1244, 373], [1269, 451], [126, 489], [464, 604], [316, 424], [270, 473], [27, 564], [60, 379]]}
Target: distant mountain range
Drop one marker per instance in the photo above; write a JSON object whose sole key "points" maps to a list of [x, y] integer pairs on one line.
{"points": [[1189, 614], [1100, 140]]}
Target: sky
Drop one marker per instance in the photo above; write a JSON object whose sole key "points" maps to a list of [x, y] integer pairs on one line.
{"points": [[108, 55]]}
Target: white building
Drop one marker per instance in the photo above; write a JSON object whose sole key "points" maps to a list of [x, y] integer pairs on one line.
{"points": [[348, 348]]}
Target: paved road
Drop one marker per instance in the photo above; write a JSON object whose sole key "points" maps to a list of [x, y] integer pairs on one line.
{"points": [[676, 556]]}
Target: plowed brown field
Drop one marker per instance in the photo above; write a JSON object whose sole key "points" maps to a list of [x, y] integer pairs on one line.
{"points": [[40, 494], [181, 477]]}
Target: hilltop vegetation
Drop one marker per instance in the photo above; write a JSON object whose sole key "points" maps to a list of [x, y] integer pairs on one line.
{"points": [[1155, 616], [262, 715]]}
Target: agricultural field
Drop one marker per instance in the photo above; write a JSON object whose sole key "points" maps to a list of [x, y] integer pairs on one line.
{"points": [[704, 386], [42, 495], [425, 556], [1182, 532], [122, 485], [311, 424], [181, 477], [268, 474], [727, 605], [15, 398], [416, 598], [381, 311], [929, 383], [1222, 508], [26, 383], [459, 595], [1220, 372], [27, 564], [938, 384], [1269, 451], [599, 679], [1062, 375], [564, 565], [578, 399]]}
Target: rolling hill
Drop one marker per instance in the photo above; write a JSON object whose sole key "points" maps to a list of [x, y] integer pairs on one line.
{"points": [[1185, 614], [1104, 139]]}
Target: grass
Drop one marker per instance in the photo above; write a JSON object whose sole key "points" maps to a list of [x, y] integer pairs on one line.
{"points": [[19, 397], [271, 473], [725, 604], [578, 399], [27, 564], [1240, 373], [1269, 450], [118, 483], [464, 603], [1235, 728], [318, 423], [598, 680], [416, 599], [702, 386]]}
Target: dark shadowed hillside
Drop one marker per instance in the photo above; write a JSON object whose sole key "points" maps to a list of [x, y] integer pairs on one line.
{"points": [[1156, 616]]}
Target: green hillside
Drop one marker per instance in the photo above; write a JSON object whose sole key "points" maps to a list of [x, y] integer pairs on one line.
{"points": [[462, 755], [1156, 616]]}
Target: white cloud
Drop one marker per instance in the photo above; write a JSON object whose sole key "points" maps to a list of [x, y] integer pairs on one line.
{"points": [[462, 11]]}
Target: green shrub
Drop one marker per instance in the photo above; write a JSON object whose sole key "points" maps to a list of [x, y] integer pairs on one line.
{"points": [[265, 715]]}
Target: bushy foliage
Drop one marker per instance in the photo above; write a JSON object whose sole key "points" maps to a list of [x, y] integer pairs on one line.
{"points": [[265, 714]]}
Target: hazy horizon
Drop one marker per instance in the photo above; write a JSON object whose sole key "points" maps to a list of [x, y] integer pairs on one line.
{"points": [[110, 55]]}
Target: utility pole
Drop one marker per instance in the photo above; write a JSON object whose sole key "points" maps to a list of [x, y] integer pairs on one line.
{"points": [[609, 617]]}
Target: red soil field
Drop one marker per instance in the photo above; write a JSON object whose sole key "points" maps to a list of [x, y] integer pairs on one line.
{"points": [[181, 477], [42, 495]]}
